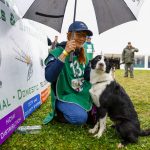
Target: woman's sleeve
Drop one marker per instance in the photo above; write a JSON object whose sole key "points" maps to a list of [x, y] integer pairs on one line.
{"points": [[53, 68]]}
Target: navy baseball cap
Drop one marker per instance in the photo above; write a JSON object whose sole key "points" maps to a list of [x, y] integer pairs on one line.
{"points": [[79, 26]]}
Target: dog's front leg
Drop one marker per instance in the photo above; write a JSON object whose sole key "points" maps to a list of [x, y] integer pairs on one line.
{"points": [[102, 127], [95, 129]]}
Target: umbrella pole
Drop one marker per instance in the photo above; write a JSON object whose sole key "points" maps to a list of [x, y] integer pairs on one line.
{"points": [[72, 35], [75, 8]]}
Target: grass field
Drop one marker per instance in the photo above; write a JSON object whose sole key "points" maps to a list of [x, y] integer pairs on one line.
{"points": [[59, 136]]}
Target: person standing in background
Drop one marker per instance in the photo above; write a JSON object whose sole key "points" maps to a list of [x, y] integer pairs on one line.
{"points": [[89, 48], [128, 59], [54, 43], [49, 44]]}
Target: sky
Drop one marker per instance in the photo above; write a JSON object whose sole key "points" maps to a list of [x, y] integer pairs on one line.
{"points": [[114, 40]]}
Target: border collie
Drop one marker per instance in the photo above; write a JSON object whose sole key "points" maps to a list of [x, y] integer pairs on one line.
{"points": [[111, 99]]}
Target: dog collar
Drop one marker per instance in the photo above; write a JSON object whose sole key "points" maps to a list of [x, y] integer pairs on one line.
{"points": [[100, 82]]}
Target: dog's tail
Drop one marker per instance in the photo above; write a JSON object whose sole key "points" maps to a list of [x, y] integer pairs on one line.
{"points": [[145, 132]]}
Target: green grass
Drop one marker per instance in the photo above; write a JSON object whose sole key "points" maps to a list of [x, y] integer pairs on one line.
{"points": [[59, 136]]}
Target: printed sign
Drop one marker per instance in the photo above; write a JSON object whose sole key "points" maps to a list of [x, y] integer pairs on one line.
{"points": [[10, 123], [45, 94], [31, 105], [23, 87]]}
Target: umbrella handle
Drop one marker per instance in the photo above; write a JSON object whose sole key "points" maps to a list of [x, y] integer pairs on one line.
{"points": [[72, 52], [71, 57]]}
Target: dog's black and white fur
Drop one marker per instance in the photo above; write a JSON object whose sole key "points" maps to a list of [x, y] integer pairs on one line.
{"points": [[111, 99]]}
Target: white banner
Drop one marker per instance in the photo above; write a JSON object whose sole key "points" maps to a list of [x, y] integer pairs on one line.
{"points": [[22, 83]]}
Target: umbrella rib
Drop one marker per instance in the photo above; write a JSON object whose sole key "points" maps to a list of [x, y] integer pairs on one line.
{"points": [[51, 16]]}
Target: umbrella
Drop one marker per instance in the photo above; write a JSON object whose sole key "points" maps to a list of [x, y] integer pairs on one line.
{"points": [[109, 13]]}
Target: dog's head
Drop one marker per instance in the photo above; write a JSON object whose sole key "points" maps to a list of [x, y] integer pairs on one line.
{"points": [[101, 63]]}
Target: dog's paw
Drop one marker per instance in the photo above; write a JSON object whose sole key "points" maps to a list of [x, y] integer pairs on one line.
{"points": [[92, 131], [98, 135], [120, 145]]}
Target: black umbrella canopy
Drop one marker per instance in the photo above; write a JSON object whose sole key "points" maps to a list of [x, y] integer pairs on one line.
{"points": [[47, 12], [109, 13]]}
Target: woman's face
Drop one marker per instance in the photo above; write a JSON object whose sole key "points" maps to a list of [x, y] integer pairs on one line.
{"points": [[80, 38]]}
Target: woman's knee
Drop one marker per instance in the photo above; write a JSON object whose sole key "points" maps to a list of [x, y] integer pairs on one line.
{"points": [[82, 117], [78, 118], [72, 112]]}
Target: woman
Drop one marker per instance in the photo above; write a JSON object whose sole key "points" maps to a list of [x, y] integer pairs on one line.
{"points": [[70, 81]]}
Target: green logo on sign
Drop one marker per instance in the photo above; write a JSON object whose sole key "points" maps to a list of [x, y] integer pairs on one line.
{"points": [[3, 17], [12, 19]]}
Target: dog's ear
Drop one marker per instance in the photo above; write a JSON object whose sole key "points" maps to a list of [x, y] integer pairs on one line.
{"points": [[111, 62], [105, 58], [109, 65]]}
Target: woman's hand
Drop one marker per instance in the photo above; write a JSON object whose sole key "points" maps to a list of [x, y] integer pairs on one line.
{"points": [[70, 46]]}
